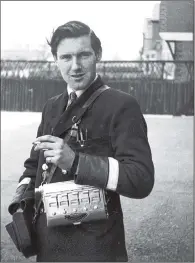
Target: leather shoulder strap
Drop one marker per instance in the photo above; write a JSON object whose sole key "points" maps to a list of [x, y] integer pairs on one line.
{"points": [[88, 103], [93, 97], [51, 172]]}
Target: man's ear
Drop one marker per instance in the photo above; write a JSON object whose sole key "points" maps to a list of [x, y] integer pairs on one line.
{"points": [[98, 56]]}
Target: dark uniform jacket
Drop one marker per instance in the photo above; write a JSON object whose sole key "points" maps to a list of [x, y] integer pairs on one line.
{"points": [[116, 128]]}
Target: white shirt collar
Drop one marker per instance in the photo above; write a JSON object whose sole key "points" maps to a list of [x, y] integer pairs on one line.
{"points": [[79, 92]]}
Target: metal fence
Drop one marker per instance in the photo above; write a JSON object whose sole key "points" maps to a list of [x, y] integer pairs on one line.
{"points": [[110, 70], [161, 87]]}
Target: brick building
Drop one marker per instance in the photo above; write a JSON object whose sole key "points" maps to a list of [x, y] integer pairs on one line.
{"points": [[176, 26], [168, 35], [176, 29]]}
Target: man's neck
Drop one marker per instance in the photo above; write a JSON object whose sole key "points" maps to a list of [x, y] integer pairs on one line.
{"points": [[79, 92]]}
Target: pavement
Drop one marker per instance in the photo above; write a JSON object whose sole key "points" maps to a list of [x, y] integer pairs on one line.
{"points": [[158, 228]]}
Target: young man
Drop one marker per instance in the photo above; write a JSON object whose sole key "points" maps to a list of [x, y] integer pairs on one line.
{"points": [[116, 156]]}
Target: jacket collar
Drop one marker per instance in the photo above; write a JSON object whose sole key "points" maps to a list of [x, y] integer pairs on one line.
{"points": [[79, 92], [61, 120]]}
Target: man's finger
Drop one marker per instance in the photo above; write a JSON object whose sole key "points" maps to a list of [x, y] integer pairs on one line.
{"points": [[45, 146], [49, 153], [46, 138]]}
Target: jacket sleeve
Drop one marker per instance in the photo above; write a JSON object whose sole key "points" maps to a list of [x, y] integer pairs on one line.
{"points": [[132, 150], [24, 194], [128, 135]]}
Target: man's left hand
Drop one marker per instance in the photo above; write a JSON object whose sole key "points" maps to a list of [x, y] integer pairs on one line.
{"points": [[55, 151]]}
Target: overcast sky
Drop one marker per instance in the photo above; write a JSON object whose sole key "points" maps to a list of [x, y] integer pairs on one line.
{"points": [[118, 24]]}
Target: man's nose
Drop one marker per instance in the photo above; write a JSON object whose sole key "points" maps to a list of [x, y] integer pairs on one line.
{"points": [[75, 64]]}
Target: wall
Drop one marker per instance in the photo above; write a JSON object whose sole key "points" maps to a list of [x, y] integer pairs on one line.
{"points": [[177, 16]]}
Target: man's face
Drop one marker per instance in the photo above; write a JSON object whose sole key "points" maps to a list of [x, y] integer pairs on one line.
{"points": [[77, 62]]}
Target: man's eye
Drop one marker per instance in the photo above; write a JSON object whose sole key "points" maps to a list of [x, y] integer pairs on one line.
{"points": [[85, 54], [66, 57]]}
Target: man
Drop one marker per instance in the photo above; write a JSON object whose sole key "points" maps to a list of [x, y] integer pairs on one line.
{"points": [[116, 156]]}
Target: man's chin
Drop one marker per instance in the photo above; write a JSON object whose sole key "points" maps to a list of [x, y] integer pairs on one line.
{"points": [[81, 84], [78, 85]]}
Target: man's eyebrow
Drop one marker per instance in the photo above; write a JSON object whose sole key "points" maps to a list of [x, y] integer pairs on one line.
{"points": [[66, 54], [72, 54]]}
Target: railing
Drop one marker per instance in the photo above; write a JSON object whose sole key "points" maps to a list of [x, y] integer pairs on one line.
{"points": [[161, 87], [109, 70]]}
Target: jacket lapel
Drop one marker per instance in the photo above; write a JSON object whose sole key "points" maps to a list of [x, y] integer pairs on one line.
{"points": [[57, 108], [63, 119]]}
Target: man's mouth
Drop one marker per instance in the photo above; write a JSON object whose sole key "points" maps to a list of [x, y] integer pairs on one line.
{"points": [[77, 76]]}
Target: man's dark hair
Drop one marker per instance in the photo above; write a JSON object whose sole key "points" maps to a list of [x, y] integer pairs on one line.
{"points": [[74, 29]]}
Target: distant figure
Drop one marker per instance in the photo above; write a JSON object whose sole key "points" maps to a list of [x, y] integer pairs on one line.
{"points": [[93, 136]]}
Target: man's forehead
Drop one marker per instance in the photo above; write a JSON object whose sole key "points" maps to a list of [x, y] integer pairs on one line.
{"points": [[77, 44]]}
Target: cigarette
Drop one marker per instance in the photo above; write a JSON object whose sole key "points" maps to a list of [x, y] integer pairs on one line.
{"points": [[35, 143]]}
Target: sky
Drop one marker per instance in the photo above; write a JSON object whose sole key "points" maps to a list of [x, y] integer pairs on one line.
{"points": [[118, 24]]}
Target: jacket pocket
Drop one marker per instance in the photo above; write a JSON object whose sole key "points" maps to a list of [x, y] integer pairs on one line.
{"points": [[102, 227]]}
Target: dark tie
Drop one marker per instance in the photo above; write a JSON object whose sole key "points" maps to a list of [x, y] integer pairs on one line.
{"points": [[72, 99]]}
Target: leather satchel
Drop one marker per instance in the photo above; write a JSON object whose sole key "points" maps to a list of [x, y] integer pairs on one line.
{"points": [[22, 233]]}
